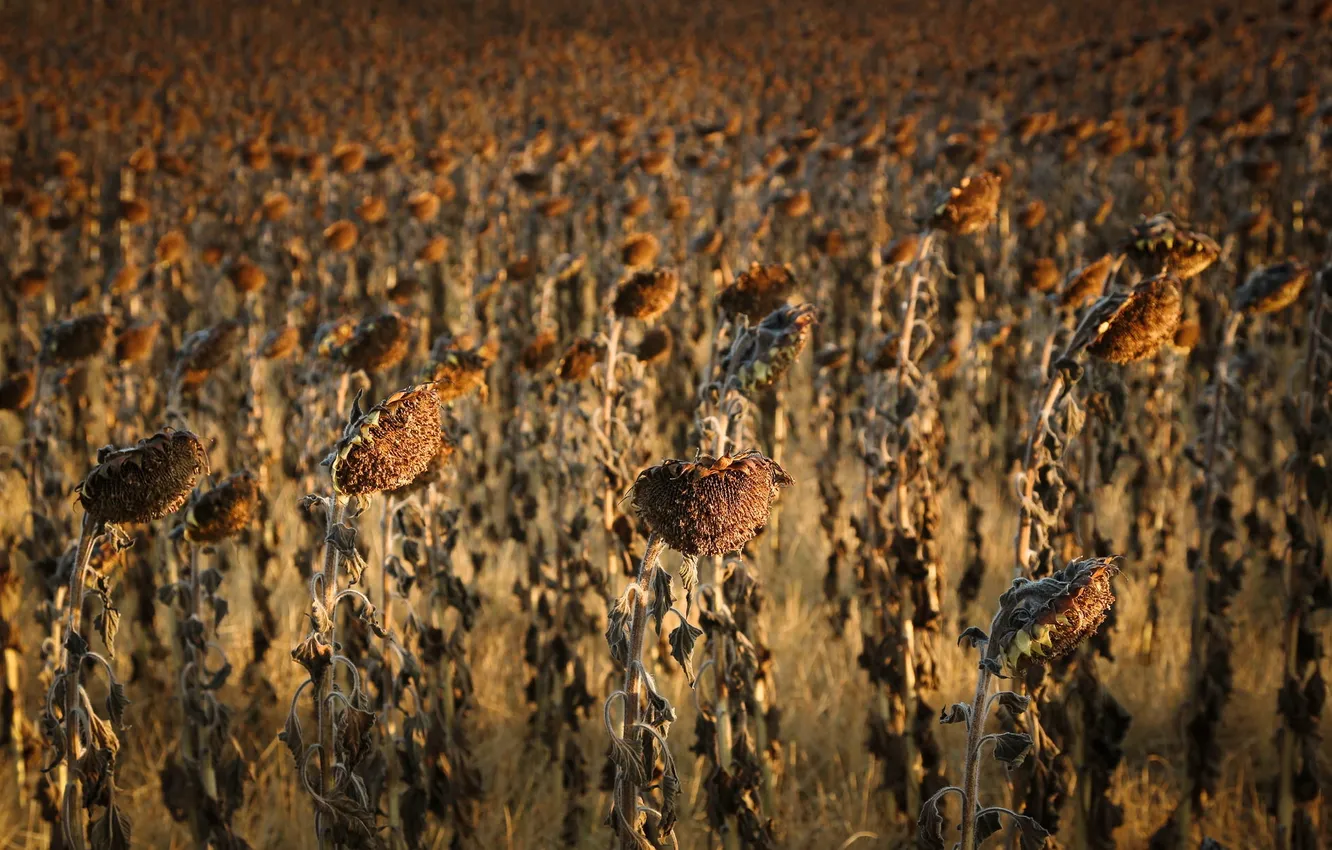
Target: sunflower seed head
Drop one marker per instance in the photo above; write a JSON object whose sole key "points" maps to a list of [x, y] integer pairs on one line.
{"points": [[968, 207], [757, 292], [777, 342], [1043, 621], [1147, 320], [1273, 288], [146, 481], [388, 446], [223, 511], [75, 340], [1162, 244], [646, 294], [708, 506]]}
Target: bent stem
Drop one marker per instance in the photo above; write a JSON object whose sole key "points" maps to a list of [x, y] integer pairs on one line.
{"points": [[73, 798], [627, 802]]}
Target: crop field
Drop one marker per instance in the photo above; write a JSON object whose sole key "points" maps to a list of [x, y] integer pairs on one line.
{"points": [[622, 426]]}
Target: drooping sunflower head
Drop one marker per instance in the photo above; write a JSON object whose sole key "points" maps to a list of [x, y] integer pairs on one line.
{"points": [[378, 343], [968, 207], [580, 358], [456, 372], [757, 291], [776, 343], [1273, 288], [646, 294], [1148, 320], [1043, 621], [146, 481], [387, 446], [223, 511], [76, 339], [1162, 243], [710, 505]]}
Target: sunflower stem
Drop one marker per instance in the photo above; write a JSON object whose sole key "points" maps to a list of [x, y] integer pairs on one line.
{"points": [[323, 709], [627, 804], [89, 531]]}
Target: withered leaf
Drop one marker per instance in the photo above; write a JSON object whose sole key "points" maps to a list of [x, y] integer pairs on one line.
{"points": [[117, 702], [689, 581], [663, 595], [682, 640], [1032, 835], [929, 826], [1015, 703], [291, 736], [958, 712], [1011, 748], [354, 733], [112, 831], [972, 637]]}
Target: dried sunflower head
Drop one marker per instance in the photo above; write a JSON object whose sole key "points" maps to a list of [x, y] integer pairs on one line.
{"points": [[388, 446], [206, 350], [18, 390], [1087, 282], [774, 346], [968, 207], [340, 236], [223, 511], [646, 294], [656, 345], [1162, 243], [456, 372], [1273, 288], [74, 340], [580, 358], [135, 343], [708, 506], [280, 342], [146, 481], [1124, 327], [640, 249], [539, 352], [331, 336], [757, 292], [378, 343], [1042, 621]]}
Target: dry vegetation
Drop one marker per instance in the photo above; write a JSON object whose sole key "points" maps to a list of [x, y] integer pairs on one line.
{"points": [[527, 428]]}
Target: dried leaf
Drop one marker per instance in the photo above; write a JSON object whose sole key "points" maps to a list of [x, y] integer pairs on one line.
{"points": [[958, 712], [1011, 748], [682, 640], [112, 831], [663, 596], [929, 826]]}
